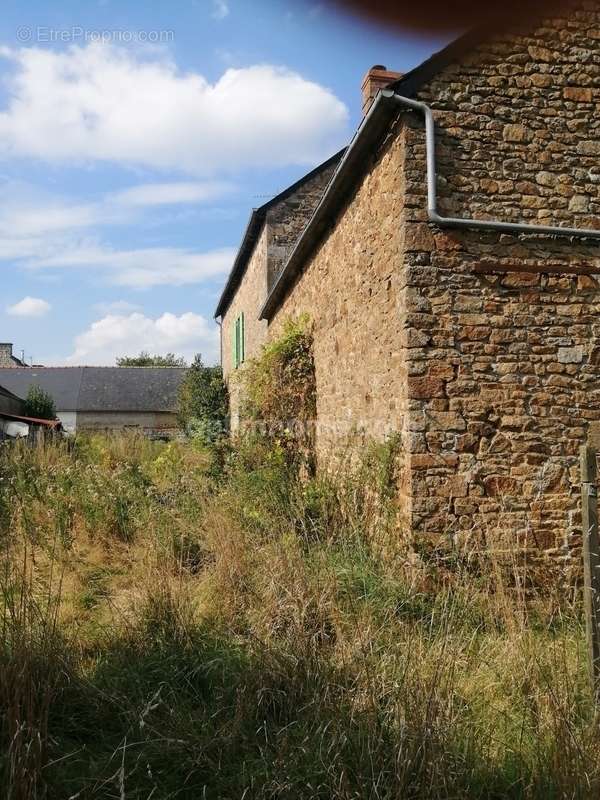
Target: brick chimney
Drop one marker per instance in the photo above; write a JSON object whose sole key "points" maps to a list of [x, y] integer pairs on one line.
{"points": [[378, 77]]}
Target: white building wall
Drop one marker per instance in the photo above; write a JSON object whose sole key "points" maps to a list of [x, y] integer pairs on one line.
{"points": [[120, 420], [68, 419]]}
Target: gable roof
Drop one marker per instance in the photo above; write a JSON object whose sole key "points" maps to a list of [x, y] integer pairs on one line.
{"points": [[130, 388], [62, 383], [347, 174], [372, 129], [100, 388], [253, 231]]}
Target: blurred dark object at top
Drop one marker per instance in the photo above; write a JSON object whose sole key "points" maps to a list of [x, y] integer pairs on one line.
{"points": [[448, 15]]}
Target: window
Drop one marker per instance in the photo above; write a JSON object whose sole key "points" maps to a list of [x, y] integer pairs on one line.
{"points": [[238, 343]]}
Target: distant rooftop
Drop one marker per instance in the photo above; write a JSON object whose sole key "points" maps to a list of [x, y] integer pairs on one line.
{"points": [[100, 388]]}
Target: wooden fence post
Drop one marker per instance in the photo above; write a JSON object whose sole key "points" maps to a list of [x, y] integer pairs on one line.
{"points": [[591, 561]]}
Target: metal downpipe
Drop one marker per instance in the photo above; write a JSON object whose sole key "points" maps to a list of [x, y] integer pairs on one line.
{"points": [[457, 222]]}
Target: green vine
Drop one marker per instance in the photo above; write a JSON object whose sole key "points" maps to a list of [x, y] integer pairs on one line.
{"points": [[280, 390]]}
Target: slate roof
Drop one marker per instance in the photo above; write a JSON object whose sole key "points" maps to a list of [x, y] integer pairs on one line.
{"points": [[368, 136], [100, 388], [253, 231]]}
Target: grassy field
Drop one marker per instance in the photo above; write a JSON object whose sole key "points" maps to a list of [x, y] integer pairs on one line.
{"points": [[178, 623]]}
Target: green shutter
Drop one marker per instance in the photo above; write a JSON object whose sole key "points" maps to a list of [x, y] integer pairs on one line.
{"points": [[238, 345], [242, 338]]}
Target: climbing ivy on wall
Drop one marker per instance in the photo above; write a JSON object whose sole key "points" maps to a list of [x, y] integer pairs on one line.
{"points": [[280, 391]]}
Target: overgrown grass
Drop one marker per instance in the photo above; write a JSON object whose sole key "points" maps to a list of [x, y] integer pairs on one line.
{"points": [[171, 632]]}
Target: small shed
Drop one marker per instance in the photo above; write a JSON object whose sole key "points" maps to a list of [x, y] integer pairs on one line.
{"points": [[10, 403], [17, 426]]}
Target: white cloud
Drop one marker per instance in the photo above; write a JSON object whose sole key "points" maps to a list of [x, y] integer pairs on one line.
{"points": [[29, 307], [105, 103], [220, 9], [40, 232], [23, 214], [126, 335], [156, 194], [141, 268]]}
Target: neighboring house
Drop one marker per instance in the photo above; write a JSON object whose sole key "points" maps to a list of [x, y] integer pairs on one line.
{"points": [[105, 398], [478, 344], [7, 359]]}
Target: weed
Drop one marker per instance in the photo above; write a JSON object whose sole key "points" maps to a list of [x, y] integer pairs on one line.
{"points": [[175, 631]]}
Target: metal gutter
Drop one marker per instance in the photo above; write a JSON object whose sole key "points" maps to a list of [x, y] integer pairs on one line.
{"points": [[465, 222], [381, 113]]}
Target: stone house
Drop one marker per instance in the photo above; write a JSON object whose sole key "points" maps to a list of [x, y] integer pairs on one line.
{"points": [[105, 398], [7, 357], [446, 305], [272, 231]]}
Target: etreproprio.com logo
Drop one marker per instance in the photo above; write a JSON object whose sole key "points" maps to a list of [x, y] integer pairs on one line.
{"points": [[46, 35]]}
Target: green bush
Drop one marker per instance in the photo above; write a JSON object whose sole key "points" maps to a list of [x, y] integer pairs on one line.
{"points": [[39, 404], [203, 402]]}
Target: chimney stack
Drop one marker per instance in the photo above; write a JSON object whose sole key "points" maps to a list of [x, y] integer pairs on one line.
{"points": [[6, 356], [378, 77]]}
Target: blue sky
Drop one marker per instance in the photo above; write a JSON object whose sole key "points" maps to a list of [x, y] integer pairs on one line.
{"points": [[135, 138]]}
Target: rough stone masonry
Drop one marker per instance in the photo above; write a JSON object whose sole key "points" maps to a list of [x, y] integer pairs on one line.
{"points": [[479, 348], [505, 378]]}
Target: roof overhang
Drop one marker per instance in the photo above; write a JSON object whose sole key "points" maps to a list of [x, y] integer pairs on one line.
{"points": [[253, 232], [351, 167]]}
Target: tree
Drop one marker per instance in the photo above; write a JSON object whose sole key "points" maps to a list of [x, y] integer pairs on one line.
{"points": [[39, 404], [203, 401], [146, 360]]}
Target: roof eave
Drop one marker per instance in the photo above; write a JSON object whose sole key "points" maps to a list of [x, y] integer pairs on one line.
{"points": [[253, 231], [251, 234], [372, 128], [344, 179]]}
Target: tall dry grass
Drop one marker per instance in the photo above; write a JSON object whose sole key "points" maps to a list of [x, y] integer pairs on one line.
{"points": [[171, 630]]}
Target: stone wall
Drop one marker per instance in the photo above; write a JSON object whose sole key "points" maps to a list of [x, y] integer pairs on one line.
{"points": [[249, 297], [507, 379], [162, 422], [283, 222], [353, 290], [480, 349], [6, 357]]}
